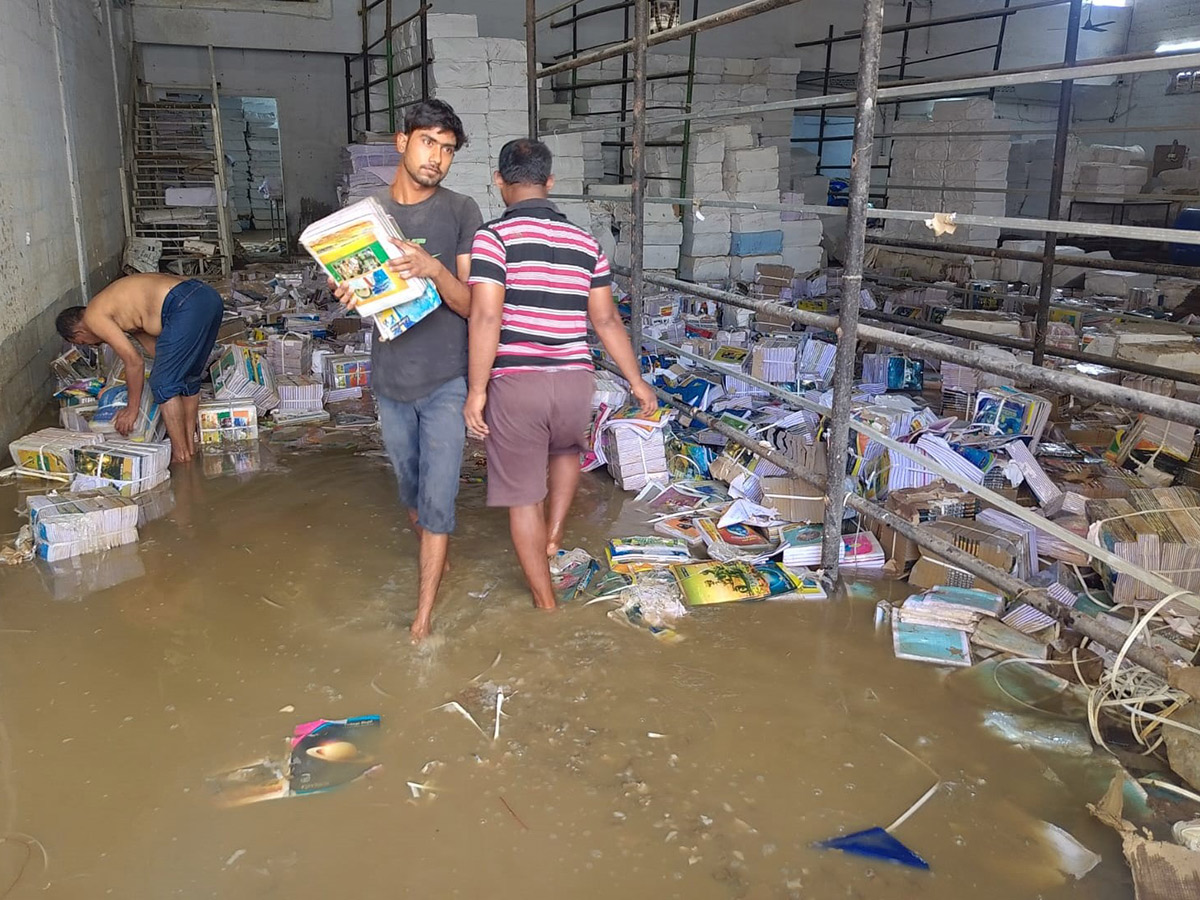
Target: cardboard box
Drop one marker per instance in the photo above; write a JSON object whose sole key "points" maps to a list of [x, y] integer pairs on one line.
{"points": [[922, 505], [993, 545], [795, 499]]}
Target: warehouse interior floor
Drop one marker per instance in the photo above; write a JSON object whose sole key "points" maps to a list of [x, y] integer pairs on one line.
{"points": [[705, 768]]}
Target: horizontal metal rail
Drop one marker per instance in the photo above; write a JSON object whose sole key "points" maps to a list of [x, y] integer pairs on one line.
{"points": [[1170, 408], [998, 13], [897, 92], [695, 26]]}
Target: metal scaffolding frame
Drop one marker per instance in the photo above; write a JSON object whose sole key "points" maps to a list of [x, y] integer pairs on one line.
{"points": [[382, 47], [846, 325]]}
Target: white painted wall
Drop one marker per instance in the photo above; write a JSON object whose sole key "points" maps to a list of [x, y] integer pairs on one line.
{"points": [[61, 221], [309, 88], [1144, 98]]}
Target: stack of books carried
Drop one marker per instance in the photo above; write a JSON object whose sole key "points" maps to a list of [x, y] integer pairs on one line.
{"points": [[130, 467], [147, 426], [66, 526], [353, 246]]}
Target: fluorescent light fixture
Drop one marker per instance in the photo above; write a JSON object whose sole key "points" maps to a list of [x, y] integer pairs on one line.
{"points": [[1176, 46]]}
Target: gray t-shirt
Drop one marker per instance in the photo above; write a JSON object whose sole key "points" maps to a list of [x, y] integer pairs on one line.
{"points": [[434, 350]]}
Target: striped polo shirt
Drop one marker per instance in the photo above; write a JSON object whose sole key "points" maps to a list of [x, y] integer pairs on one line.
{"points": [[546, 266]]}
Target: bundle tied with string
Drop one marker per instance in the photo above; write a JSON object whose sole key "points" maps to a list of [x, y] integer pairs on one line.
{"points": [[1006, 551]]}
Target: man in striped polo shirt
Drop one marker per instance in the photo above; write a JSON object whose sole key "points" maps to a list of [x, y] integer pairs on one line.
{"points": [[536, 280]]}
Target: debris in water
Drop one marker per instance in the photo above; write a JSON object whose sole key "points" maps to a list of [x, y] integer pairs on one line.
{"points": [[237, 854]]}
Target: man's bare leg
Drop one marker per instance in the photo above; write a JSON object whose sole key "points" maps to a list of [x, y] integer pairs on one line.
{"points": [[412, 517], [564, 480], [191, 415], [528, 527], [433, 566], [174, 415]]}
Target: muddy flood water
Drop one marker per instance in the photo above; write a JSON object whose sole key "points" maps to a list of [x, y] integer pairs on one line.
{"points": [[625, 767]]}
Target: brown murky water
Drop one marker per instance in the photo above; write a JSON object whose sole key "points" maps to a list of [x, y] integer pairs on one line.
{"points": [[768, 724]]}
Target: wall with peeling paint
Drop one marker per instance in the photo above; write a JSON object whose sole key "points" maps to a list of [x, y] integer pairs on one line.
{"points": [[61, 220]]}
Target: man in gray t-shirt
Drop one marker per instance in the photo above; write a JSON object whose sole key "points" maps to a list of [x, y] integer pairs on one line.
{"points": [[419, 378]]}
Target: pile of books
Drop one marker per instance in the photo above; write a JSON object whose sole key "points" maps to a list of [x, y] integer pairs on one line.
{"points": [[346, 374], [51, 450], [774, 360], [242, 372], [228, 421], [734, 542], [893, 373], [130, 467], [290, 354], [1156, 449], [66, 526], [802, 548], [1159, 530], [353, 246]]}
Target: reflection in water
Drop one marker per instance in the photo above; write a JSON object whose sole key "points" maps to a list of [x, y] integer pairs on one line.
{"points": [[702, 769]]}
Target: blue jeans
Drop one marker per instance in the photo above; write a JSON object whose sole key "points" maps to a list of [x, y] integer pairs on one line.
{"points": [[191, 317], [424, 440]]}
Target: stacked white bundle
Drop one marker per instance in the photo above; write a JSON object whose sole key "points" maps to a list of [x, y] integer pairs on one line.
{"points": [[937, 170], [366, 168], [290, 354], [81, 523], [131, 467]]}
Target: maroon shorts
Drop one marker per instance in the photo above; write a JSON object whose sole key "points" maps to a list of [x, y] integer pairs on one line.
{"points": [[532, 416]]}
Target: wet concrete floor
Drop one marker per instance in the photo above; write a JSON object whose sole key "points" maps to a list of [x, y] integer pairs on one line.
{"points": [[625, 767]]}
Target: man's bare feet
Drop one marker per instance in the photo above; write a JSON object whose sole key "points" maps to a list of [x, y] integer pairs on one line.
{"points": [[545, 608], [420, 630]]}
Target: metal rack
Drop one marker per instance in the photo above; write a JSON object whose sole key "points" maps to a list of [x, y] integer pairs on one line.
{"points": [[177, 145], [379, 52], [865, 100]]}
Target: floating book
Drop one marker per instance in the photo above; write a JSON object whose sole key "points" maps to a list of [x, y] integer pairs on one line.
{"points": [[708, 583], [802, 548]]}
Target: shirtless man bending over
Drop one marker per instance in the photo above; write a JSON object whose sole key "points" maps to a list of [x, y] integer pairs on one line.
{"points": [[176, 322]]}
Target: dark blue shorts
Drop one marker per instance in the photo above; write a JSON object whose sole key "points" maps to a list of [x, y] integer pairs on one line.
{"points": [[191, 316]]}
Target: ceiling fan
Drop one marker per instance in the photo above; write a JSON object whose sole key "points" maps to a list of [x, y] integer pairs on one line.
{"points": [[1100, 27]]}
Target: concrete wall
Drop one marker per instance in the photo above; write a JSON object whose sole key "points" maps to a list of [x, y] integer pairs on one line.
{"points": [[61, 220], [310, 89], [1144, 100]]}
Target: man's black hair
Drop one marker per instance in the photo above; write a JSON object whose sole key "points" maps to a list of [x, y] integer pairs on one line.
{"points": [[436, 114], [525, 161], [69, 321]]}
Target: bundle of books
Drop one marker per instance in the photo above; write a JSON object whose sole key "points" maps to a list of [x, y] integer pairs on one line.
{"points": [[1156, 449], [66, 526], [893, 373], [290, 354], [241, 372], [802, 548], [634, 447], [346, 374], [130, 467], [298, 394], [628, 555], [228, 421], [816, 363], [51, 450], [1008, 411], [147, 426], [734, 542], [775, 360], [707, 583], [1159, 530], [353, 246], [609, 391]]}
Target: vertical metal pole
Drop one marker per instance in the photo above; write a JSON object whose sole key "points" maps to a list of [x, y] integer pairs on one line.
{"points": [[641, 33], [366, 67], [391, 77], [424, 29], [903, 63], [1065, 94], [349, 104], [1000, 46], [687, 107], [531, 64], [856, 232], [623, 134], [824, 93]]}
